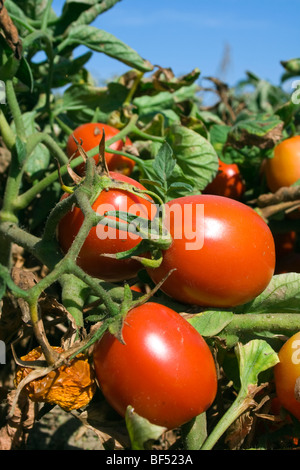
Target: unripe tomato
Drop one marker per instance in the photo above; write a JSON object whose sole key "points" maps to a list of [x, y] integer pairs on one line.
{"points": [[228, 182], [90, 134], [287, 375], [103, 239], [284, 168], [165, 369], [222, 250]]}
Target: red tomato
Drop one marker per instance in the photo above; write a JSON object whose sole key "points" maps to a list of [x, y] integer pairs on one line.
{"points": [[228, 182], [103, 239], [165, 370], [91, 134], [222, 250], [284, 168], [287, 375]]}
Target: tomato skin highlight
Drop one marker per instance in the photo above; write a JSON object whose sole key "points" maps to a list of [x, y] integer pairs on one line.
{"points": [[235, 263], [284, 168], [286, 373], [91, 134], [165, 370], [90, 257], [228, 182]]}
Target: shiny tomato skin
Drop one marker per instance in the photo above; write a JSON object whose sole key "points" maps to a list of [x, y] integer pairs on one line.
{"points": [[286, 373], [283, 169], [90, 134], [165, 370], [102, 240], [228, 182], [235, 263]]}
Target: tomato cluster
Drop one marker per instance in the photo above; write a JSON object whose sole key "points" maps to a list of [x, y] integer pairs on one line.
{"points": [[222, 255]]}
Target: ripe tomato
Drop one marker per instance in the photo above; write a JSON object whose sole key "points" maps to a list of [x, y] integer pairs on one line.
{"points": [[287, 375], [103, 239], [222, 250], [228, 182], [91, 134], [165, 370], [284, 168]]}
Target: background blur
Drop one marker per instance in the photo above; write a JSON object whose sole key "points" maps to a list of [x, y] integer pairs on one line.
{"points": [[223, 38]]}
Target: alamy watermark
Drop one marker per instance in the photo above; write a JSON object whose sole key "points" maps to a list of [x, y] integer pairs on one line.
{"points": [[185, 222], [2, 92], [2, 352]]}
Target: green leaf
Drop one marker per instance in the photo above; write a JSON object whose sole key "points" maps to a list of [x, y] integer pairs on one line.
{"points": [[281, 296], [163, 101], [194, 154], [218, 137], [101, 41], [40, 156], [20, 149], [254, 358], [81, 101], [164, 163], [262, 130], [211, 322], [141, 431], [292, 65]]}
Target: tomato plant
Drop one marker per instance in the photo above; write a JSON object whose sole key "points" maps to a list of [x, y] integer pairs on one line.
{"points": [[103, 239], [283, 169], [287, 373], [89, 136], [70, 238], [219, 260], [228, 182], [163, 357]]}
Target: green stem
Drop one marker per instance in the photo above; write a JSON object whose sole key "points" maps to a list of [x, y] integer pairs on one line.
{"points": [[133, 87], [243, 326], [194, 432], [25, 24], [49, 142], [47, 10], [15, 110], [6, 132], [130, 126], [24, 199], [73, 295], [94, 284], [146, 136], [236, 409]]}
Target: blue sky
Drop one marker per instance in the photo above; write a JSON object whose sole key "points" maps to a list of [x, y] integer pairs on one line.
{"points": [[253, 35]]}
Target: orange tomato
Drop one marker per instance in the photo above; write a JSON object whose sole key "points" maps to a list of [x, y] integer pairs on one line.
{"points": [[284, 168], [287, 375]]}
